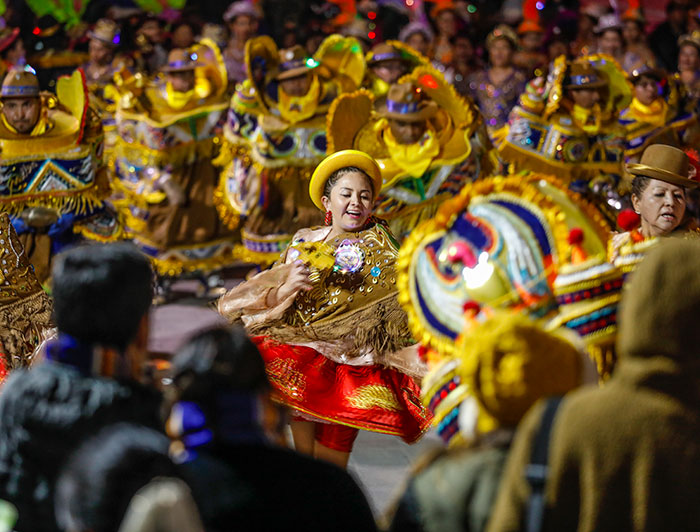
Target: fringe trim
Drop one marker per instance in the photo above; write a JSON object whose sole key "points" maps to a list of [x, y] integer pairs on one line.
{"points": [[25, 322], [173, 267], [381, 326], [179, 155], [84, 231], [79, 201], [407, 219]]}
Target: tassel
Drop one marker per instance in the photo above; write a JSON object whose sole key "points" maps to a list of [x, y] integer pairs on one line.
{"points": [[329, 218], [578, 254], [628, 220]]}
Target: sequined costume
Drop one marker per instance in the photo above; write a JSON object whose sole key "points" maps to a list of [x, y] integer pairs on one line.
{"points": [[273, 141], [52, 181], [496, 101], [454, 148], [341, 351], [163, 165], [25, 309]]}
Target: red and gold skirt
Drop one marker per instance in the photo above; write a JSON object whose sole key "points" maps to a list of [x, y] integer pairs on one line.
{"points": [[372, 398]]}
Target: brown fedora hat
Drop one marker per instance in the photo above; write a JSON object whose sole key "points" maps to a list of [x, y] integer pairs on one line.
{"points": [[583, 75], [294, 62], [664, 163], [405, 102], [180, 60]]}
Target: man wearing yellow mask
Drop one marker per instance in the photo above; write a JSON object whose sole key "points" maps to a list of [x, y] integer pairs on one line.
{"points": [[168, 133], [51, 180], [276, 136], [428, 141]]}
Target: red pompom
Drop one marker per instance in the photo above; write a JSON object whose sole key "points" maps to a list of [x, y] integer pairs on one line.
{"points": [[575, 236], [471, 306], [422, 352], [628, 220], [694, 159]]}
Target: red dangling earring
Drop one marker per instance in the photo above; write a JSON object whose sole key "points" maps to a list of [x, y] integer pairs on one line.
{"points": [[329, 218]]}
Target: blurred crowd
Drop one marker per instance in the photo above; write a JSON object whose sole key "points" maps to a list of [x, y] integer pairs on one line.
{"points": [[524, 162]]}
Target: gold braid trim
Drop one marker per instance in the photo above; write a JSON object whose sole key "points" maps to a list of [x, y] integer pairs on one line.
{"points": [[522, 160], [374, 395], [173, 266], [381, 326], [180, 155], [24, 323], [226, 159], [85, 232], [227, 214]]}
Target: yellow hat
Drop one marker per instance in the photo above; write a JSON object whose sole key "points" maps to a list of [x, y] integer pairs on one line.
{"points": [[338, 160], [509, 362]]}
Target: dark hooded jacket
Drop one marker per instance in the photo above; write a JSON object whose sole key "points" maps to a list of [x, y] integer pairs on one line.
{"points": [[626, 456], [45, 413]]}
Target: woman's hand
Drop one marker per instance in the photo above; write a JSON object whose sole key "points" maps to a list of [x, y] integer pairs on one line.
{"points": [[297, 280]]}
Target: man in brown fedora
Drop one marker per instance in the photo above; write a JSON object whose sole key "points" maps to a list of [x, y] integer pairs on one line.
{"points": [[179, 70], [407, 111]]}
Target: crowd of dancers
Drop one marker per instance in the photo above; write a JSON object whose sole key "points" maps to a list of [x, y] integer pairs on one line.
{"points": [[431, 243]]}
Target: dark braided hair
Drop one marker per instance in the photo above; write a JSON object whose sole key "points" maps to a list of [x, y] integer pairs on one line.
{"points": [[639, 185], [340, 172]]}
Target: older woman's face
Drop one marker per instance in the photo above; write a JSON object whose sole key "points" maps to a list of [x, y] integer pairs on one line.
{"points": [[350, 202], [661, 207]]}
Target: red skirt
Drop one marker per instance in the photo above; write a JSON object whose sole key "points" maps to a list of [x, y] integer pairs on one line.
{"points": [[373, 397]]}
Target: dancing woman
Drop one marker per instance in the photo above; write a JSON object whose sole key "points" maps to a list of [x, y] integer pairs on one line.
{"points": [[326, 319]]}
